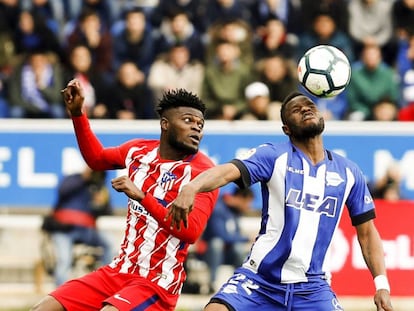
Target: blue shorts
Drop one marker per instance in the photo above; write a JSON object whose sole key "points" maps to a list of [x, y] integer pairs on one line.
{"points": [[242, 292]]}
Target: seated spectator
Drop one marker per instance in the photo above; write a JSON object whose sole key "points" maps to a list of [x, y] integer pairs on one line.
{"points": [[129, 97], [82, 198], [224, 82], [405, 68], [95, 85], [402, 18], [370, 23], [384, 110], [52, 12], [272, 39], [225, 242], [279, 74], [177, 28], [371, 81], [289, 12], [32, 33], [92, 33], [259, 106], [193, 8], [387, 186], [217, 11], [175, 71], [134, 40], [34, 87], [338, 9], [235, 31], [324, 30]]}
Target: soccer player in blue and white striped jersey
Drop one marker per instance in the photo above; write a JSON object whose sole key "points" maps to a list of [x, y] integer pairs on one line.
{"points": [[305, 188]]}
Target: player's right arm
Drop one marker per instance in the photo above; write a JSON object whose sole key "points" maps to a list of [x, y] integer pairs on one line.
{"points": [[96, 156], [209, 180]]}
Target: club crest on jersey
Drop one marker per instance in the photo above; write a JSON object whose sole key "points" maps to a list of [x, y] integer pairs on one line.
{"points": [[167, 180], [333, 179]]}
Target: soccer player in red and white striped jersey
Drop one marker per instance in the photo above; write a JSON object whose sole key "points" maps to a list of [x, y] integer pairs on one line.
{"points": [[148, 272]]}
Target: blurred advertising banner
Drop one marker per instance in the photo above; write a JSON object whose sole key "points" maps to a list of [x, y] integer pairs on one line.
{"points": [[35, 154], [350, 275]]}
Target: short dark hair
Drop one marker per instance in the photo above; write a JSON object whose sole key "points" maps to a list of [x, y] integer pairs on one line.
{"points": [[179, 98], [287, 99]]}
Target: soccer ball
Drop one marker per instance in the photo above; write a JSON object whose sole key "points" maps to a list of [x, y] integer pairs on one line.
{"points": [[324, 71]]}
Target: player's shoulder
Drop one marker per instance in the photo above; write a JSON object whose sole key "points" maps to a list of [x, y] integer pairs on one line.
{"points": [[143, 143], [202, 161], [342, 160]]}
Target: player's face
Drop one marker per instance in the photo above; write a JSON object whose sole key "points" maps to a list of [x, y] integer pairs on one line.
{"points": [[303, 120], [185, 129]]}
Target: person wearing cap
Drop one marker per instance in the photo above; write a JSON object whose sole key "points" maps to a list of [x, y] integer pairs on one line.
{"points": [[259, 106]]}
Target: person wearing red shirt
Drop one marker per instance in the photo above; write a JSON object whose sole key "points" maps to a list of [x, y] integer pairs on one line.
{"points": [[148, 272]]}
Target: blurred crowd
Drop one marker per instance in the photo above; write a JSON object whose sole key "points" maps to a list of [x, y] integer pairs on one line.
{"points": [[239, 56]]}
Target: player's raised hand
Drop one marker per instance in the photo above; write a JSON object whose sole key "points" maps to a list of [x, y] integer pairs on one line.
{"points": [[73, 96]]}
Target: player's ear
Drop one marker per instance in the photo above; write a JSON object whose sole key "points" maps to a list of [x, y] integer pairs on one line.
{"points": [[164, 123], [285, 129]]}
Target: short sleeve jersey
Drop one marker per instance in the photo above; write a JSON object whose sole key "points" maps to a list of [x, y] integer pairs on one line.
{"points": [[302, 206]]}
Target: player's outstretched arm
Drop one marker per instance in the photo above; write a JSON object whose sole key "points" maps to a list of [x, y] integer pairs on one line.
{"points": [[372, 250], [209, 180]]}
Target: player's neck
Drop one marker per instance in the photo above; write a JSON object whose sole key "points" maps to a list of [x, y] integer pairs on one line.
{"points": [[312, 148]]}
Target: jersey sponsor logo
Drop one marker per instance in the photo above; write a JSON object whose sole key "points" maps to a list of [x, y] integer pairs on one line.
{"points": [[137, 208], [167, 180], [118, 297], [295, 170], [312, 202], [333, 179]]}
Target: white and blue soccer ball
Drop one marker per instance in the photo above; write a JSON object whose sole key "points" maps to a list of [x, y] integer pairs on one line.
{"points": [[324, 71]]}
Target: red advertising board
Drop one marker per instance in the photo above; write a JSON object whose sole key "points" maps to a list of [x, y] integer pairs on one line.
{"points": [[395, 223]]}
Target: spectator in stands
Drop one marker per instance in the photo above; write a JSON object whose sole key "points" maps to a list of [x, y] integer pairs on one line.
{"points": [[371, 81], [403, 17], [129, 97], [259, 106], [217, 11], [52, 12], [324, 30], [32, 33], [370, 22], [338, 9], [34, 87], [406, 113], [175, 70], [235, 31], [91, 32], [224, 82], [405, 68], [134, 40], [272, 39], [226, 244], [193, 8], [384, 110], [95, 86], [177, 28], [279, 74], [387, 186], [82, 198], [289, 12]]}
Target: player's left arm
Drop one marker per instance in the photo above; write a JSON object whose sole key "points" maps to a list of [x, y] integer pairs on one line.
{"points": [[373, 253], [197, 220]]}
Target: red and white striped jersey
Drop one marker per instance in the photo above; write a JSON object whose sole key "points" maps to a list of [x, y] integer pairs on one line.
{"points": [[150, 247]]}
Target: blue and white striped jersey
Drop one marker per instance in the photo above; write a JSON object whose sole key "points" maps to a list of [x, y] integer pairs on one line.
{"points": [[302, 206]]}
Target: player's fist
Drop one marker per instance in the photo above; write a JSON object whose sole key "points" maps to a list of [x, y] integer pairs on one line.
{"points": [[73, 97]]}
